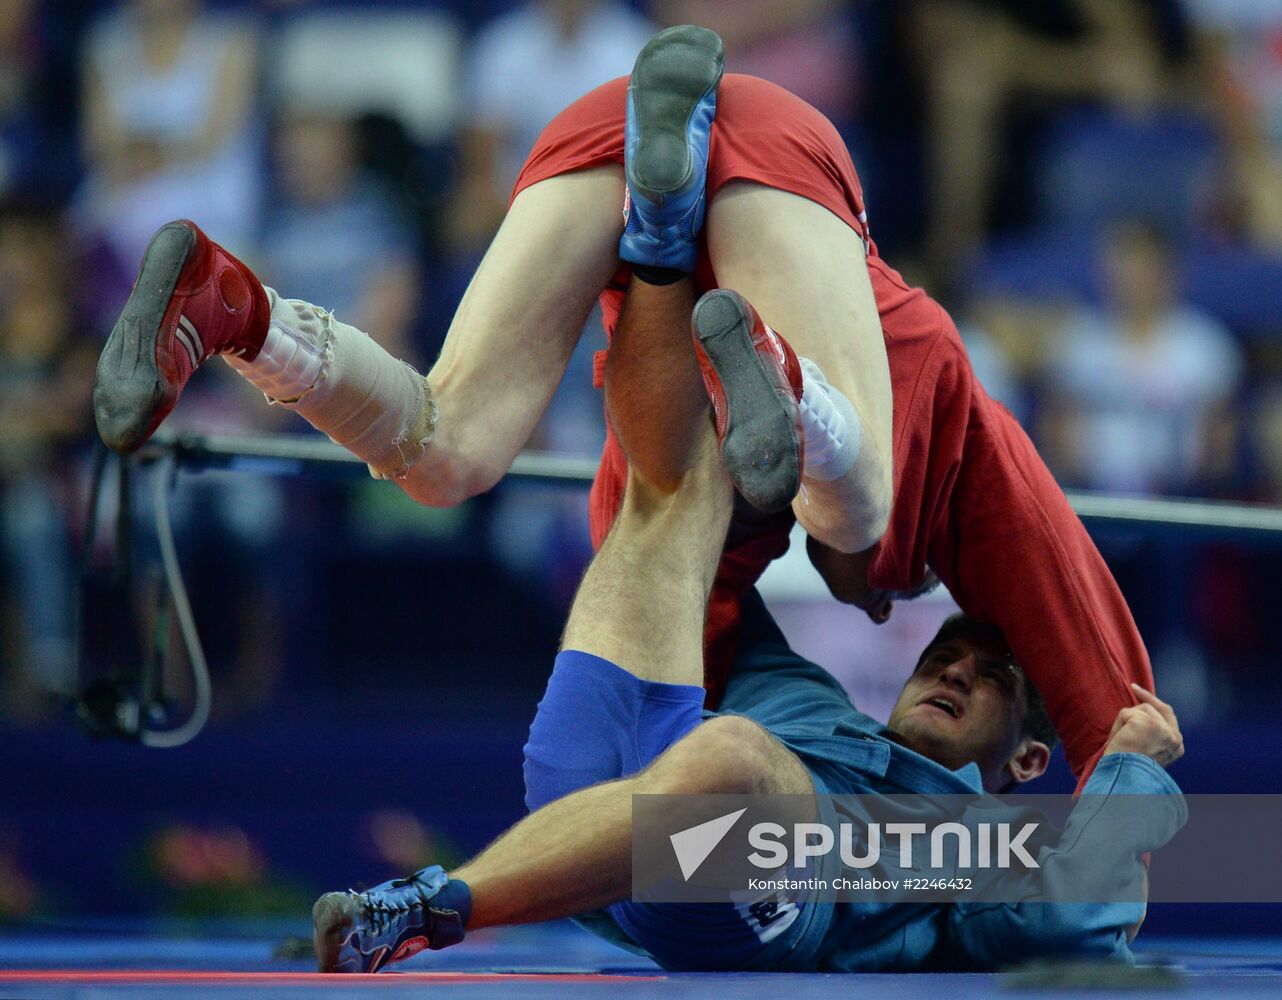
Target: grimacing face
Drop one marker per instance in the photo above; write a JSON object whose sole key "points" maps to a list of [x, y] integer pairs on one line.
{"points": [[965, 702]]}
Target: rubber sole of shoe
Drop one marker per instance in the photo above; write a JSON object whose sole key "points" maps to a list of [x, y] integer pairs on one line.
{"points": [[129, 394], [761, 452], [332, 916], [674, 71]]}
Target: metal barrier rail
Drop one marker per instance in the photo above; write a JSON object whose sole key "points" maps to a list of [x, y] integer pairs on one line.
{"points": [[132, 704], [281, 454]]}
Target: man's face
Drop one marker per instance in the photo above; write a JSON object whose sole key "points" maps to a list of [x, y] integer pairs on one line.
{"points": [[963, 703]]}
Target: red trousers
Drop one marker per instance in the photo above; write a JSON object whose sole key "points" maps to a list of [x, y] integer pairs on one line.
{"points": [[971, 496]]}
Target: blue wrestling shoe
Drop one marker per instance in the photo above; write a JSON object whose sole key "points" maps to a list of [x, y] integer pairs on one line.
{"points": [[366, 931], [672, 99]]}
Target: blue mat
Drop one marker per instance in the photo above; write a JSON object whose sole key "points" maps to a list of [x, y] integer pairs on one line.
{"points": [[238, 959]]}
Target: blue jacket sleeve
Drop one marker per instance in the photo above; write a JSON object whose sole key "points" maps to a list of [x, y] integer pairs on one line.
{"points": [[1101, 844]]}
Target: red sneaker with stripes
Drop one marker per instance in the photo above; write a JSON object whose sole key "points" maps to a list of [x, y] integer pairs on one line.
{"points": [[754, 382], [192, 300]]}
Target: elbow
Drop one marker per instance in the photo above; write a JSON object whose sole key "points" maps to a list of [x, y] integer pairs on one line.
{"points": [[845, 592]]}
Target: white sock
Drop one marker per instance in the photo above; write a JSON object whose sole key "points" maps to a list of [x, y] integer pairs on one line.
{"points": [[830, 425], [346, 385]]}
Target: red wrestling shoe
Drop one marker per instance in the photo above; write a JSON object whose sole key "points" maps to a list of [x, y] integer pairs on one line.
{"points": [[192, 300], [754, 381]]}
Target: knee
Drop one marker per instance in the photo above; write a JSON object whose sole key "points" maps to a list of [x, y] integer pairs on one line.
{"points": [[855, 526], [726, 755]]}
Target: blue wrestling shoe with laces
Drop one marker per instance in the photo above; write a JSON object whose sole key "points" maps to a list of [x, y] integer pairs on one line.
{"points": [[672, 99], [367, 931]]}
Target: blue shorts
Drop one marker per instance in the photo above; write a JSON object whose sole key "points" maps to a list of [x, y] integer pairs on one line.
{"points": [[597, 722]]}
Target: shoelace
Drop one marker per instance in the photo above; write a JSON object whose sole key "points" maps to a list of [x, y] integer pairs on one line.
{"points": [[383, 915]]}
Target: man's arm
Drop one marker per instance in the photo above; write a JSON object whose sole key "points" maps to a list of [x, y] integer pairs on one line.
{"points": [[1097, 839], [846, 575]]}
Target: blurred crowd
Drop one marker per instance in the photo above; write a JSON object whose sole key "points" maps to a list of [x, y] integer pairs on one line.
{"points": [[1092, 187]]}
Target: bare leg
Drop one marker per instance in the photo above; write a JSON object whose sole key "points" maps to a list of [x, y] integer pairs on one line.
{"points": [[641, 605], [966, 96], [515, 329], [642, 601], [575, 854], [653, 394], [455, 433], [803, 269], [975, 61]]}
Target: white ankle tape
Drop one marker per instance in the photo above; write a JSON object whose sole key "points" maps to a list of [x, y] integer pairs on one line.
{"points": [[345, 384], [830, 425], [286, 367]]}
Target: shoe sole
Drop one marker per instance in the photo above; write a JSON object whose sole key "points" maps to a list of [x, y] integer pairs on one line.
{"points": [[760, 452], [673, 73], [129, 393], [331, 917]]}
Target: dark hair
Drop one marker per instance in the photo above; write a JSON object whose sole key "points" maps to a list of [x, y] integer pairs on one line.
{"points": [[1037, 722]]}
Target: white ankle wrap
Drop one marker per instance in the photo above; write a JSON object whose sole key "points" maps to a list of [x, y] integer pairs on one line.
{"points": [[830, 425], [345, 384]]}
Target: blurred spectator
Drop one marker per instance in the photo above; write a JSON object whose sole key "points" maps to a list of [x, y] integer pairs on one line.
{"points": [[45, 380], [336, 237], [169, 125], [170, 129], [1135, 384], [526, 66], [22, 133], [1240, 42], [995, 370], [805, 46], [978, 57], [1008, 338]]}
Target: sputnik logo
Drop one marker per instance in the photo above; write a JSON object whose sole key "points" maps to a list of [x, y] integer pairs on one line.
{"points": [[692, 846]]}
